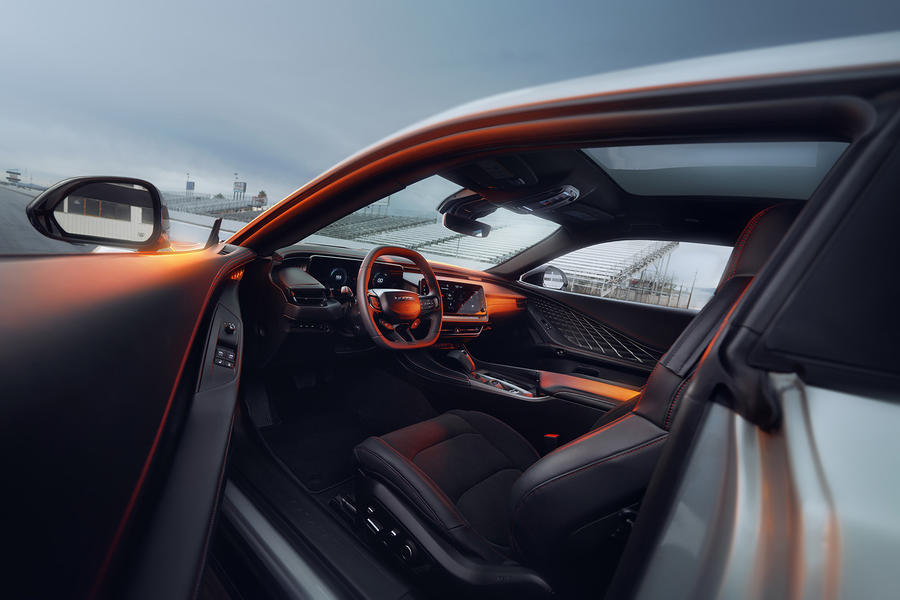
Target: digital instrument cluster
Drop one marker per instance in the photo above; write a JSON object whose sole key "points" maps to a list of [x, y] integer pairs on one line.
{"points": [[334, 273]]}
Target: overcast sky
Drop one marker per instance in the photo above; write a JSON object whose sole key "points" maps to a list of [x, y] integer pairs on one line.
{"points": [[280, 91]]}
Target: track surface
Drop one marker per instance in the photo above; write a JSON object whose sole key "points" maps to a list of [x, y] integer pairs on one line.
{"points": [[17, 236]]}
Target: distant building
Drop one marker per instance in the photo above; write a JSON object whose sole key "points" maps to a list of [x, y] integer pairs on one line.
{"points": [[14, 176]]}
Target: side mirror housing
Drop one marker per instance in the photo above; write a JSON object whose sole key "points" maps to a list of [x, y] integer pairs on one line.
{"points": [[548, 276], [107, 211]]}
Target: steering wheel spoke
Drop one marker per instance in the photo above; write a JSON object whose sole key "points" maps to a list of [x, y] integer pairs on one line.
{"points": [[429, 303], [403, 332], [373, 301]]}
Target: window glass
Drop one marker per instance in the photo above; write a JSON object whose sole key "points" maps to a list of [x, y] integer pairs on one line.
{"points": [[676, 274], [409, 219], [759, 169]]}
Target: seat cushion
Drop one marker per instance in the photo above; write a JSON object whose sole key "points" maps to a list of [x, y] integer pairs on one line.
{"points": [[458, 470]]}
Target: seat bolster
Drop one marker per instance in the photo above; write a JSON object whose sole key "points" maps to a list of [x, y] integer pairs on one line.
{"points": [[380, 459], [580, 483]]}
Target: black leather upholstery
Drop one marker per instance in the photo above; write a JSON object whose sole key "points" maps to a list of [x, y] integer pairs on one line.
{"points": [[756, 242], [458, 469], [477, 480]]}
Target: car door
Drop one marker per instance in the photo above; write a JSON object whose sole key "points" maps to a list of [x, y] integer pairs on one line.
{"points": [[609, 310], [115, 418], [786, 442]]}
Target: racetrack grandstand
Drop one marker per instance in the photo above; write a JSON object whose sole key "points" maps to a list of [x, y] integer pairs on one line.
{"points": [[429, 236], [235, 208], [359, 226], [597, 270], [635, 270], [628, 270]]}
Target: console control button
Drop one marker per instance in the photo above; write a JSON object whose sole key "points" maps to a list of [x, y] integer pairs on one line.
{"points": [[408, 552], [373, 525]]}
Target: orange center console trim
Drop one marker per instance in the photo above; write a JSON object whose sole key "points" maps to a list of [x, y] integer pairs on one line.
{"points": [[557, 382]]}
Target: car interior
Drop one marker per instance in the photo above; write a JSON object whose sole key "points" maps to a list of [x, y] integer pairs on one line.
{"points": [[473, 429]]}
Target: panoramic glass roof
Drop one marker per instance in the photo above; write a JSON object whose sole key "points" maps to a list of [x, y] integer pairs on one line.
{"points": [[790, 170]]}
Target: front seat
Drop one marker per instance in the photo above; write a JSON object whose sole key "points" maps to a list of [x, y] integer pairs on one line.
{"points": [[473, 482]]}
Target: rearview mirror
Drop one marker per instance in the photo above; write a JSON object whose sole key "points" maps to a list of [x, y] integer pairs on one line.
{"points": [[466, 226], [462, 210], [108, 211]]}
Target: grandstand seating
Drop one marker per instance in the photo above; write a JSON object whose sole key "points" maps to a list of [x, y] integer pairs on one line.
{"points": [[598, 269], [243, 215], [411, 237], [604, 269], [360, 226], [502, 243]]}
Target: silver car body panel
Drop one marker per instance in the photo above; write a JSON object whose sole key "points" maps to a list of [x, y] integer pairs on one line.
{"points": [[787, 514]]}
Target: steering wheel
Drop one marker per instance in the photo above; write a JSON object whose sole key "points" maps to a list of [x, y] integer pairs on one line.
{"points": [[391, 317]]}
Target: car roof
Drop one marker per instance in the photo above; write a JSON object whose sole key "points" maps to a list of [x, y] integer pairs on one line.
{"points": [[863, 51], [836, 56]]}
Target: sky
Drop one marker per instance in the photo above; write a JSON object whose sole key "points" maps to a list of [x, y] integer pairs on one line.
{"points": [[280, 91]]}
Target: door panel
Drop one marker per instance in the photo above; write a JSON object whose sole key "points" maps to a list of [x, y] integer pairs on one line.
{"points": [[585, 336], [653, 325], [94, 349]]}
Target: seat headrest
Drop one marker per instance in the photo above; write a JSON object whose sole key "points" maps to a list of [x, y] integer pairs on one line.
{"points": [[758, 240]]}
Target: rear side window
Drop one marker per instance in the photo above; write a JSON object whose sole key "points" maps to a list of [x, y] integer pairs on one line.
{"points": [[676, 274]]}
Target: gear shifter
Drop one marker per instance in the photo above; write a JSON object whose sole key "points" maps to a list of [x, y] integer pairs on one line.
{"points": [[464, 362]]}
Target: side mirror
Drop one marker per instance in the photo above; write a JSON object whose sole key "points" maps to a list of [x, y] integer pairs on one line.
{"points": [[547, 276], [108, 211]]}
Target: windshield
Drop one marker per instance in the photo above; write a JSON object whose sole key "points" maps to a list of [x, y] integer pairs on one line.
{"points": [[409, 219]]}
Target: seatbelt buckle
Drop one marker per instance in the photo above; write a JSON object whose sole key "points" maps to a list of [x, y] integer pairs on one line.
{"points": [[551, 442]]}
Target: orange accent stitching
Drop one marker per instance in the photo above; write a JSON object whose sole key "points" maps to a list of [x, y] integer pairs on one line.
{"points": [[742, 241], [722, 326], [674, 400]]}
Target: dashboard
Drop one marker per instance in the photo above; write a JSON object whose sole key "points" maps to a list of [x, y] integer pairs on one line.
{"points": [[335, 272], [310, 279]]}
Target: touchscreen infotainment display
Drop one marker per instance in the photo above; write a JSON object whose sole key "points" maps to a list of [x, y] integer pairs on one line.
{"points": [[462, 298]]}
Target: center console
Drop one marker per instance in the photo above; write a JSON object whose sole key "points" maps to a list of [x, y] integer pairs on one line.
{"points": [[522, 385], [459, 367]]}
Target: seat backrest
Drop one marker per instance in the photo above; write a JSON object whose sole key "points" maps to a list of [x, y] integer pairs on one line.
{"points": [[569, 503]]}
